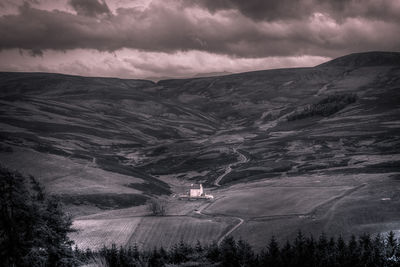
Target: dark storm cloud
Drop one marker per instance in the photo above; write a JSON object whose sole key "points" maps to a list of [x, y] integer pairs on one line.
{"points": [[91, 8], [271, 10], [289, 28], [261, 9]]}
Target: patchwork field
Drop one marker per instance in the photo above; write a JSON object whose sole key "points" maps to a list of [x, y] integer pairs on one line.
{"points": [[168, 231], [148, 232], [95, 234]]}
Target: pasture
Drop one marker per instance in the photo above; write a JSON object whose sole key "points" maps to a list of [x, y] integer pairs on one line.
{"points": [[147, 232], [274, 200], [371, 208], [168, 231]]}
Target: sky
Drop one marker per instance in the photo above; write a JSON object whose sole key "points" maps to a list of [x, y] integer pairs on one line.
{"points": [[182, 38]]}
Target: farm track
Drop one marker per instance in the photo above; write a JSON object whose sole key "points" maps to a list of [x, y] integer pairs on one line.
{"points": [[242, 159], [236, 226], [241, 221]]}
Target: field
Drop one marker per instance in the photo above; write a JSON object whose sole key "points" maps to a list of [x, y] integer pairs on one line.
{"points": [[95, 234], [167, 231], [372, 206], [274, 200], [147, 232]]}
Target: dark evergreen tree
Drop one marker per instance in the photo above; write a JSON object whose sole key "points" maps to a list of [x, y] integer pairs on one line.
{"points": [[366, 250], [198, 248], [322, 250], [245, 254], [299, 250], [229, 256], [341, 252], [287, 254], [163, 255], [378, 248], [33, 227], [271, 255], [391, 246], [310, 251], [155, 259], [331, 252], [135, 251], [354, 252], [213, 252]]}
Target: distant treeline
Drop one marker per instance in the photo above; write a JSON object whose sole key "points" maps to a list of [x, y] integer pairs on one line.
{"points": [[363, 251], [325, 107]]}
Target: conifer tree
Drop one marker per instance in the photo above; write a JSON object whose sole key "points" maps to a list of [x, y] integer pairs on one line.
{"points": [[271, 256], [245, 254], [229, 257], [33, 226], [213, 252], [391, 246]]}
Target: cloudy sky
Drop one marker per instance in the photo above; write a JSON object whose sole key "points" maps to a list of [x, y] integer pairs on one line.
{"points": [[176, 38]]}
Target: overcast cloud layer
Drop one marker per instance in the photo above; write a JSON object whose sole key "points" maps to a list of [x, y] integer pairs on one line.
{"points": [[137, 39]]}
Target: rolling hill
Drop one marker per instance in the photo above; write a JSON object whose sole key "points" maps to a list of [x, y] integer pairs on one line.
{"points": [[105, 143]]}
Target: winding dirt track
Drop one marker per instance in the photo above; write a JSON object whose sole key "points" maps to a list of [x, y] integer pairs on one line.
{"points": [[241, 221], [242, 159]]}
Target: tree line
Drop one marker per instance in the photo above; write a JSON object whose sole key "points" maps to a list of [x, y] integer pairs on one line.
{"points": [[325, 107], [362, 251]]}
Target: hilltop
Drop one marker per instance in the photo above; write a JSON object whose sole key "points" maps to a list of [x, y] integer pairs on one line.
{"points": [[366, 59]]}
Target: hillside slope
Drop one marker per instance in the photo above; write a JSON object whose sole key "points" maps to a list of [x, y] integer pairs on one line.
{"points": [[107, 143]]}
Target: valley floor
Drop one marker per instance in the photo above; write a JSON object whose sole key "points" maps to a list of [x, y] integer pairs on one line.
{"points": [[255, 211]]}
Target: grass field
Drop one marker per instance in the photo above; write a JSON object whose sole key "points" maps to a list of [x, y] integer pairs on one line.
{"points": [[372, 208], [167, 231], [95, 234], [147, 232], [274, 201]]}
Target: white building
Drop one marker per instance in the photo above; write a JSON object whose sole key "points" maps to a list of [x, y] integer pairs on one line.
{"points": [[196, 191]]}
